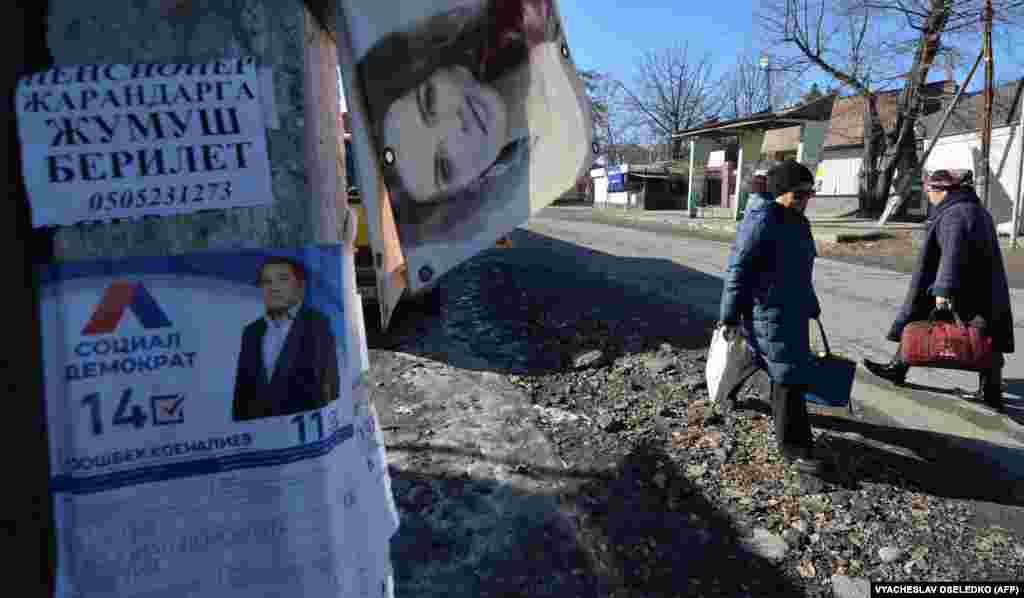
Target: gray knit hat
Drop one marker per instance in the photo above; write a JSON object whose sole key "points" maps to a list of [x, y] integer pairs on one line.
{"points": [[942, 179]]}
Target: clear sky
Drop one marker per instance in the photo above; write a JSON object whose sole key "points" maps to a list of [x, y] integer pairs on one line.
{"points": [[609, 35]]}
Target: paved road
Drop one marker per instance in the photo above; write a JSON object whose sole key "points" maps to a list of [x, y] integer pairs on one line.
{"points": [[858, 304]]}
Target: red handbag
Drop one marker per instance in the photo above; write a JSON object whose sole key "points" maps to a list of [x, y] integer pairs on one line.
{"points": [[953, 345]]}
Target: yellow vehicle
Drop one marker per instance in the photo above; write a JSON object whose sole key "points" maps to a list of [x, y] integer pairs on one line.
{"points": [[366, 279]]}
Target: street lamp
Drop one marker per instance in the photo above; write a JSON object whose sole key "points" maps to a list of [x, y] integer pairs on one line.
{"points": [[763, 61]]}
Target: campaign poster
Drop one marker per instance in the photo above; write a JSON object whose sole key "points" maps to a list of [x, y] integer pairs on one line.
{"points": [[128, 140], [208, 435], [473, 115]]}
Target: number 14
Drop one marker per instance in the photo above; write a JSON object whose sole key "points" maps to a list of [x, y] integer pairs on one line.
{"points": [[300, 421], [121, 415]]}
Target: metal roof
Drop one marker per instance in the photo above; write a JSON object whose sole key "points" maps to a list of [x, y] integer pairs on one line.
{"points": [[967, 116], [815, 110]]}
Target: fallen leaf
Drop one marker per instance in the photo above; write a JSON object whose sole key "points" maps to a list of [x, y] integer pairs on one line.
{"points": [[815, 503], [733, 493], [807, 570], [842, 567], [856, 567], [989, 538], [696, 471], [710, 441]]}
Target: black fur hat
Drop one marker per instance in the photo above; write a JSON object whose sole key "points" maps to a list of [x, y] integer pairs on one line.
{"points": [[786, 176]]}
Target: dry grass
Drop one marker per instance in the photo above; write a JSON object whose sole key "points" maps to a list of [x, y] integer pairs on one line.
{"points": [[898, 252]]}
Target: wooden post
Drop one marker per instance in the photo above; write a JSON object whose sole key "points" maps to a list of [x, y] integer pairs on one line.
{"points": [[27, 519], [949, 110], [986, 131], [1015, 221], [279, 35], [302, 151]]}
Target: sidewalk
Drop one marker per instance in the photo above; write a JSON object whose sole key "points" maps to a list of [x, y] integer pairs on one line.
{"points": [[827, 225], [928, 405]]}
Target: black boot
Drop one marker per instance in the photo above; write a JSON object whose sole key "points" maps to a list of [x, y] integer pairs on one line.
{"points": [[894, 371], [990, 385], [793, 429], [993, 397]]}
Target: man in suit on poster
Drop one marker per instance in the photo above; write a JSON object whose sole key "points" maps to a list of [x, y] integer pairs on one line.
{"points": [[288, 361]]}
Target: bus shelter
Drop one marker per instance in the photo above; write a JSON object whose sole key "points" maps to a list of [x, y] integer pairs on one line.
{"points": [[748, 133]]}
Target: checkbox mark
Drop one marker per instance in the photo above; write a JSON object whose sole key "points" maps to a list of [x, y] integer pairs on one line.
{"points": [[168, 409]]}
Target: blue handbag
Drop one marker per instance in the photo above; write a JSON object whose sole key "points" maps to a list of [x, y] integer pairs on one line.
{"points": [[830, 377]]}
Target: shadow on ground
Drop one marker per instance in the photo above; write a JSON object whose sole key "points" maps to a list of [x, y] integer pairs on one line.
{"points": [[525, 528], [915, 460], [1015, 399], [525, 310], [607, 533], [921, 461], [1013, 395]]}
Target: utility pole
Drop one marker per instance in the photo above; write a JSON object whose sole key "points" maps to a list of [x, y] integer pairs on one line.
{"points": [[986, 132], [765, 66], [27, 509], [301, 145], [949, 110], [1020, 173]]}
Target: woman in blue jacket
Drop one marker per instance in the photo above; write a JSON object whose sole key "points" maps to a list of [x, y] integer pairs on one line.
{"points": [[769, 298]]}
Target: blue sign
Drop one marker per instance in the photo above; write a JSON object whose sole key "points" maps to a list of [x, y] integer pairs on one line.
{"points": [[616, 179]]}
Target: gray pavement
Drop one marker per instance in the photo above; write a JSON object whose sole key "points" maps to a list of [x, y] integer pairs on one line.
{"points": [[858, 305], [828, 224]]}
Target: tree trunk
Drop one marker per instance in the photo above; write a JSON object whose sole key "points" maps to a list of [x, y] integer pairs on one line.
{"points": [[887, 171], [903, 151], [874, 148], [908, 169]]}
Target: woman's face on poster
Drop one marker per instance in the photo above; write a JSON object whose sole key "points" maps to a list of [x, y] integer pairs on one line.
{"points": [[445, 133]]}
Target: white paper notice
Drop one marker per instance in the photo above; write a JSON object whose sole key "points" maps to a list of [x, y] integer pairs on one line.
{"points": [[202, 443], [122, 141]]}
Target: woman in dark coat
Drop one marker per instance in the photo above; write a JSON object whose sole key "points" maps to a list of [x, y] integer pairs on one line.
{"points": [[960, 267], [769, 298]]}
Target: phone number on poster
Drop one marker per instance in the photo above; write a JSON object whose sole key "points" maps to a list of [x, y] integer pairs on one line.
{"points": [[151, 197]]}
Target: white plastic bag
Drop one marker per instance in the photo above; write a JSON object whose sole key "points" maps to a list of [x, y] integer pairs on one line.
{"points": [[730, 362]]}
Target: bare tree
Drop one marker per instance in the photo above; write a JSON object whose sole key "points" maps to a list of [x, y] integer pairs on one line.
{"points": [[870, 46], [743, 90], [614, 123], [671, 92]]}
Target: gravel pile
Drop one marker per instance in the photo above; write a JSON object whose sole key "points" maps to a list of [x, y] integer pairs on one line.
{"points": [[649, 412], [651, 489]]}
